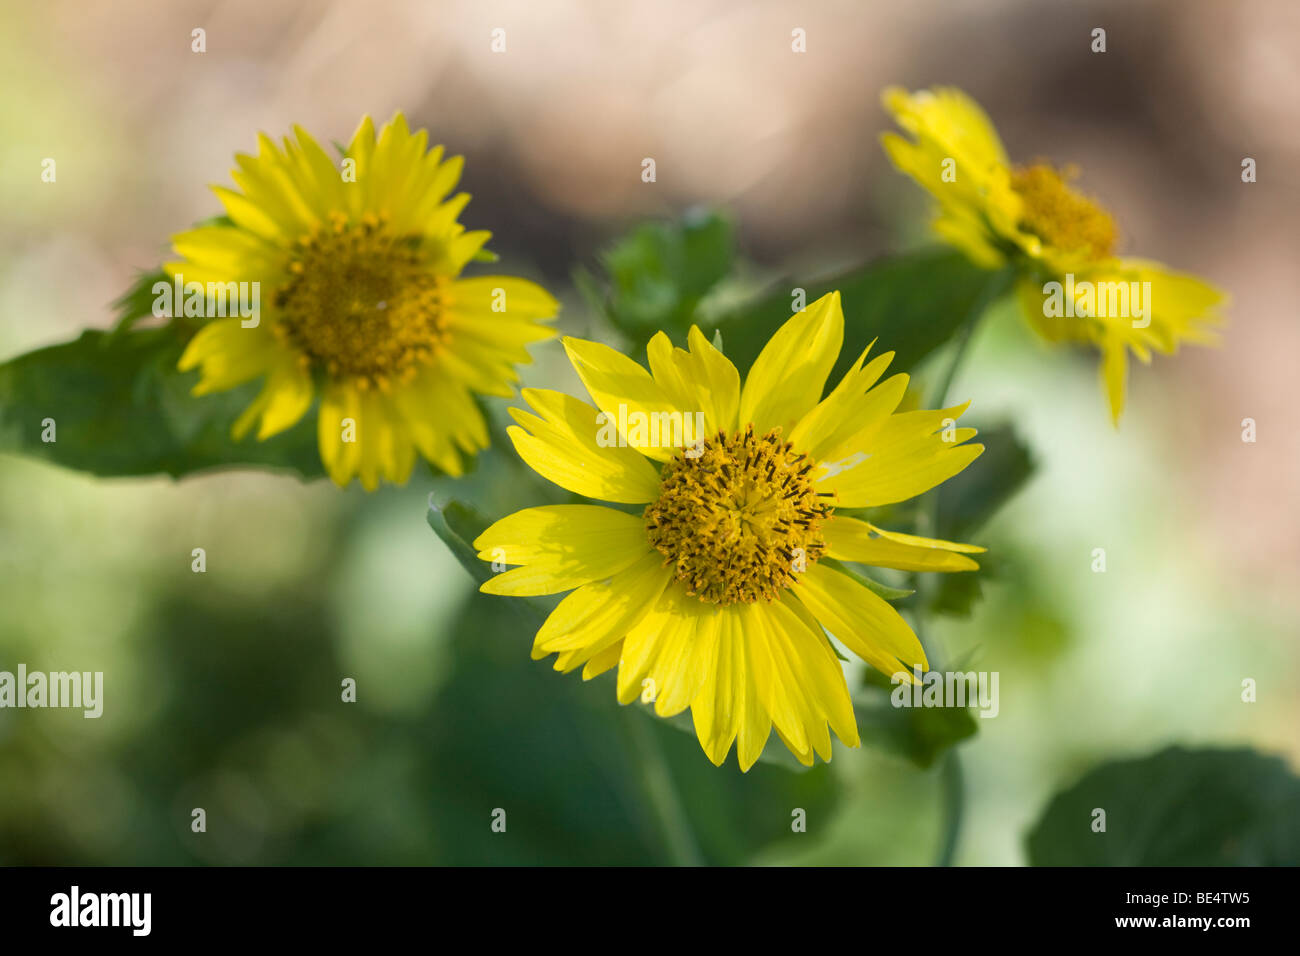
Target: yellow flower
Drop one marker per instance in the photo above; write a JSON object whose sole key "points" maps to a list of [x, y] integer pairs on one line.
{"points": [[357, 268], [1072, 286], [713, 593]]}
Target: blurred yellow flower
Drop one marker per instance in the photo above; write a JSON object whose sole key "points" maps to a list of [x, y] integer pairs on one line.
{"points": [[363, 305], [1072, 287], [715, 593]]}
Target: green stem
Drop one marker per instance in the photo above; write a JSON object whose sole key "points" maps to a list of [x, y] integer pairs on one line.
{"points": [[951, 778], [662, 792], [993, 290], [954, 806]]}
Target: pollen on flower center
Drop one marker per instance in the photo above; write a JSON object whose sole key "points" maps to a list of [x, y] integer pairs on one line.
{"points": [[1061, 216], [740, 519], [360, 303]]}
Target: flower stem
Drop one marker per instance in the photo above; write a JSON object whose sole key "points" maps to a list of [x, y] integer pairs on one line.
{"points": [[953, 795], [951, 779], [662, 792], [993, 290]]}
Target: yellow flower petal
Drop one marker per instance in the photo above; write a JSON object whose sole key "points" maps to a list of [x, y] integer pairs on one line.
{"points": [[952, 120], [363, 434], [849, 539], [682, 666], [755, 723], [701, 379], [907, 456], [218, 253], [717, 707], [787, 378], [440, 419], [500, 300], [777, 675], [560, 547], [811, 657], [845, 414], [862, 620], [376, 441], [284, 399], [601, 613], [228, 355], [605, 660], [568, 443], [1114, 375], [642, 645], [340, 408], [958, 158], [616, 383]]}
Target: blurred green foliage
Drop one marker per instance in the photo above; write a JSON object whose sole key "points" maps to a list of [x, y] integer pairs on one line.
{"points": [[660, 275], [909, 304], [1178, 807], [656, 276], [921, 734]]}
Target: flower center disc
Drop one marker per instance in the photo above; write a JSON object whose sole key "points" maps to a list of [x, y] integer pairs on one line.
{"points": [[739, 519], [360, 303], [1060, 216]]}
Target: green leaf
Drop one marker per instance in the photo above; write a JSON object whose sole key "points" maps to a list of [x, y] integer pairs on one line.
{"points": [[458, 524], [656, 277], [137, 301], [921, 734], [968, 500], [957, 594], [120, 407], [734, 814], [911, 303], [1178, 807]]}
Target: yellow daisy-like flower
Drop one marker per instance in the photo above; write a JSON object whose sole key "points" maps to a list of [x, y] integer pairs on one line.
{"points": [[357, 269], [1072, 287], [717, 591]]}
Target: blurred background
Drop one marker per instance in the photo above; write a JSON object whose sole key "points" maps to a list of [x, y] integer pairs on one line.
{"points": [[222, 689]]}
